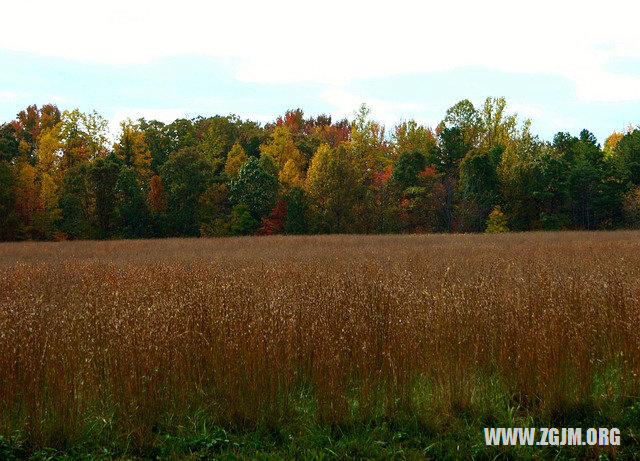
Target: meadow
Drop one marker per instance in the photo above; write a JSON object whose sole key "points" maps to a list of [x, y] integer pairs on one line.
{"points": [[318, 347]]}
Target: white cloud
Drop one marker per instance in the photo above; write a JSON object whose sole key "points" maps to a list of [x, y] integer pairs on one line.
{"points": [[334, 42]]}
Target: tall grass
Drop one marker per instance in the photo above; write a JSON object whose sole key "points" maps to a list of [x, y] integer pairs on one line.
{"points": [[123, 337]]}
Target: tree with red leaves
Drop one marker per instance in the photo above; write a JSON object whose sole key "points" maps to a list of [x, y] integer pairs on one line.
{"points": [[274, 224]]}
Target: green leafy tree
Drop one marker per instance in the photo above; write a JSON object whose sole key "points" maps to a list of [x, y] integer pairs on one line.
{"points": [[133, 215], [406, 169], [268, 165], [214, 211], [8, 143], [584, 179], [479, 187], [8, 218], [255, 188], [632, 208], [158, 140], [77, 203], [250, 136], [185, 176], [464, 118], [627, 152], [242, 221], [297, 210], [221, 134], [452, 148], [546, 184], [104, 175]]}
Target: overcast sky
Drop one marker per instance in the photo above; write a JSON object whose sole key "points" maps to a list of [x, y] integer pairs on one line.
{"points": [[567, 65]]}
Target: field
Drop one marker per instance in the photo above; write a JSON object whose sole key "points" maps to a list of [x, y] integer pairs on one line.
{"points": [[318, 347]]}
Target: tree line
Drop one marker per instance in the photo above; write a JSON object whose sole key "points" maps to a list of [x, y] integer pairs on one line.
{"points": [[480, 169]]}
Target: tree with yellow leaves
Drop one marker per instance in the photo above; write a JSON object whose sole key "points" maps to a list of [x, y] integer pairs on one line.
{"points": [[235, 159], [497, 222], [611, 143], [409, 137], [291, 176], [132, 149], [28, 204], [281, 149], [84, 137], [319, 163], [49, 150], [367, 148], [50, 212], [499, 128], [331, 185]]}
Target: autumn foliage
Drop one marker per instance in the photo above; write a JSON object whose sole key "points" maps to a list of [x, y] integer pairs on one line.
{"points": [[65, 175]]}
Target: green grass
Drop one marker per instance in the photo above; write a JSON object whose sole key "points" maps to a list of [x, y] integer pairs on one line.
{"points": [[456, 434]]}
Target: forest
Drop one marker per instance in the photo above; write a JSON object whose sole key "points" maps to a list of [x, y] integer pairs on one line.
{"points": [[64, 176]]}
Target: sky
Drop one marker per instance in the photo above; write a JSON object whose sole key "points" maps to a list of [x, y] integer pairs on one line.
{"points": [[566, 65]]}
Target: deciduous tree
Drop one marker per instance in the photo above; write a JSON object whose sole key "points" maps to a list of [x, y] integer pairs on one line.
{"points": [[255, 188], [235, 159], [185, 176], [132, 149]]}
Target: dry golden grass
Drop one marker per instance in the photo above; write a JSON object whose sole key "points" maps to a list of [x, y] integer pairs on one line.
{"points": [[255, 331]]}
